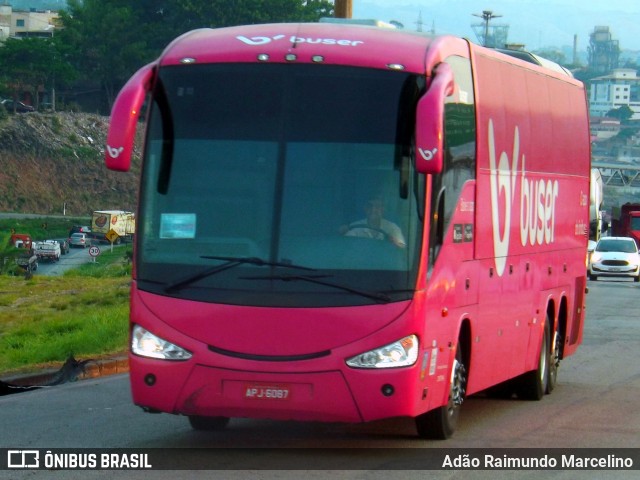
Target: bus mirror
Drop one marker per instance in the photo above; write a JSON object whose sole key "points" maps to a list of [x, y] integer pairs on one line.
{"points": [[124, 120], [430, 121]]}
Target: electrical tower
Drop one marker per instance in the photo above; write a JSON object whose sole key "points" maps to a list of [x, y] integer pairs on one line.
{"points": [[494, 36]]}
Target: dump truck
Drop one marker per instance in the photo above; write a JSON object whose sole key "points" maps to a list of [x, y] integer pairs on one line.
{"points": [[628, 222], [113, 226]]}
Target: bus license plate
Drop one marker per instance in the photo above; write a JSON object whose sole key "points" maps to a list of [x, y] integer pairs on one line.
{"points": [[267, 392]]}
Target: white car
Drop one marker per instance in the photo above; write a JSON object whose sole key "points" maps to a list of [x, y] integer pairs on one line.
{"points": [[615, 257]]}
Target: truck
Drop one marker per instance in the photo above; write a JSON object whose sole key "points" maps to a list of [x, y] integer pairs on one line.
{"points": [[26, 257], [21, 240], [48, 250], [28, 261], [120, 223], [628, 222]]}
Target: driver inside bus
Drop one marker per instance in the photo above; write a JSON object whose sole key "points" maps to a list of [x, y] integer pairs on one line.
{"points": [[375, 226]]}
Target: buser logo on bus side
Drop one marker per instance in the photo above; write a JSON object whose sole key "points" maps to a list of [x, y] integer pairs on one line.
{"points": [[114, 152], [427, 154], [537, 202]]}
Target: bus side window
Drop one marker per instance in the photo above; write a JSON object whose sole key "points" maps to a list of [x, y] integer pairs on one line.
{"points": [[459, 153]]}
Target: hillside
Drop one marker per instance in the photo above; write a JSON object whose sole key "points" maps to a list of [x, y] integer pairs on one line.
{"points": [[53, 161]]}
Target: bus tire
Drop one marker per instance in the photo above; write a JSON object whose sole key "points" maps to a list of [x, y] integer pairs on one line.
{"points": [[554, 361], [440, 423], [208, 423], [533, 385]]}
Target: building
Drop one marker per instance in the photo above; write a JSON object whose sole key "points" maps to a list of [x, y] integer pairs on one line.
{"points": [[603, 128], [618, 89], [26, 23]]}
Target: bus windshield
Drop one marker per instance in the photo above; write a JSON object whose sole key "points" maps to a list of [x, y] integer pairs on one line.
{"points": [[280, 185]]}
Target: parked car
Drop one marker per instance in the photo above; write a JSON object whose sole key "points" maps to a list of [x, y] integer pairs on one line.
{"points": [[20, 107], [615, 257], [64, 246], [79, 240]]}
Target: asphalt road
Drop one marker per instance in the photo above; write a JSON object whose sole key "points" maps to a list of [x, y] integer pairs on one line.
{"points": [[594, 406], [75, 257]]}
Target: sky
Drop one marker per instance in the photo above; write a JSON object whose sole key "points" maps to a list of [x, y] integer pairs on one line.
{"points": [[537, 24]]}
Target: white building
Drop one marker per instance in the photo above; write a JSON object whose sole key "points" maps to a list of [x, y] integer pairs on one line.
{"points": [[603, 128], [32, 23], [620, 88]]}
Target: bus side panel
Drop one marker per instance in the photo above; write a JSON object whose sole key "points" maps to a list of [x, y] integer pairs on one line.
{"points": [[532, 197], [533, 159]]}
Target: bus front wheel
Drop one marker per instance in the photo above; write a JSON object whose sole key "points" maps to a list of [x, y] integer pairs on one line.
{"points": [[208, 423], [440, 423]]}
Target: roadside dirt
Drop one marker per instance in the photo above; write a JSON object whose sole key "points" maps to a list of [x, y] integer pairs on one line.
{"points": [[53, 163]]}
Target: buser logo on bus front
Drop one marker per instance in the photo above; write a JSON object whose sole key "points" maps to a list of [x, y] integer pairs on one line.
{"points": [[297, 40], [537, 202]]}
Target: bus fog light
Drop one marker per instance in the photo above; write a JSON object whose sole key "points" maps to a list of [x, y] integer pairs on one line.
{"points": [[401, 353], [387, 390], [146, 344]]}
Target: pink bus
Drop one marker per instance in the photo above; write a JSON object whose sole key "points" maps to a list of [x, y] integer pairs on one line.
{"points": [[347, 223]]}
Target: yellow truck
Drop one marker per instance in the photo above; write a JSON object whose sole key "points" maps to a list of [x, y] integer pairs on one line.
{"points": [[113, 226]]}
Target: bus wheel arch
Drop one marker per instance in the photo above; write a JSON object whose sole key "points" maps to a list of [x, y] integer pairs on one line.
{"points": [[441, 422]]}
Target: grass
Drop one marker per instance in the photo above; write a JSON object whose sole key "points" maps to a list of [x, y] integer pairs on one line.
{"points": [[83, 313], [42, 228]]}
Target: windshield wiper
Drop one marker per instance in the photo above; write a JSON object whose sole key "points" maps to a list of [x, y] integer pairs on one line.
{"points": [[378, 296], [258, 261], [229, 262]]}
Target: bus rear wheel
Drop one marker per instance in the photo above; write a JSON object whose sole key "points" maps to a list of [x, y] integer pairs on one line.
{"points": [[554, 361], [533, 385], [208, 423], [440, 423]]}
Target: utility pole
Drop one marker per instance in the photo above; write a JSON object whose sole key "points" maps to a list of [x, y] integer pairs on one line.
{"points": [[343, 8], [486, 15]]}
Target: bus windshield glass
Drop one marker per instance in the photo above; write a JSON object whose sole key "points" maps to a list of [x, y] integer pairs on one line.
{"points": [[280, 185]]}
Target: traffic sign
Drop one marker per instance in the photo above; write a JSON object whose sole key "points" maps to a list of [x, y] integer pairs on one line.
{"points": [[94, 251], [112, 235]]}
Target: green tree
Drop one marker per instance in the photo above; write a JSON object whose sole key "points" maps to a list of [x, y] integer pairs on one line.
{"points": [[105, 41], [29, 64], [624, 113], [111, 39], [190, 14]]}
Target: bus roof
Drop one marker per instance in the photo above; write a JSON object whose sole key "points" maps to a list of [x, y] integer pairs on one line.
{"points": [[332, 43], [356, 43]]}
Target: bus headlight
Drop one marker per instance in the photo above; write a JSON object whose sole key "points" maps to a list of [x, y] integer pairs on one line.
{"points": [[146, 344], [402, 353]]}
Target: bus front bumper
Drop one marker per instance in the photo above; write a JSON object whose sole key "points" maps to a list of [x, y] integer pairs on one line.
{"points": [[349, 396]]}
